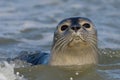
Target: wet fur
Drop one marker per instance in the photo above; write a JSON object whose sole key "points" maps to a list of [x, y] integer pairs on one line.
{"points": [[66, 52]]}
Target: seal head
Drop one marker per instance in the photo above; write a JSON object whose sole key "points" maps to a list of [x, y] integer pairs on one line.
{"points": [[75, 42]]}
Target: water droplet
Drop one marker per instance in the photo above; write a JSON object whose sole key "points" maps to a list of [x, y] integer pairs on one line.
{"points": [[71, 78], [77, 73], [17, 73]]}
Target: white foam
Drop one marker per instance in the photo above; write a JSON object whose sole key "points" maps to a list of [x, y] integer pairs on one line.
{"points": [[7, 72], [2, 77]]}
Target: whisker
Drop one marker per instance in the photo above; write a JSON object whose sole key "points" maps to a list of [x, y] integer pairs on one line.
{"points": [[93, 42], [61, 43], [66, 43]]}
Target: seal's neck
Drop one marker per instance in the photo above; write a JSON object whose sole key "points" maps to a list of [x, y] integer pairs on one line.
{"points": [[74, 57]]}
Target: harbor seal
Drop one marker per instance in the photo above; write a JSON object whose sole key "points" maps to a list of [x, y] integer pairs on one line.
{"points": [[74, 43]]}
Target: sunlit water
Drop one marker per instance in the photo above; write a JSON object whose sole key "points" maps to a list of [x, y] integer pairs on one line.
{"points": [[29, 25]]}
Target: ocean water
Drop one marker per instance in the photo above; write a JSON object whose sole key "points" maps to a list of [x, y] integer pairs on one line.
{"points": [[28, 25]]}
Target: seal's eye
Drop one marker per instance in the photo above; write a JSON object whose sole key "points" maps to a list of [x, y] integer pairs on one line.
{"points": [[64, 27], [86, 25]]}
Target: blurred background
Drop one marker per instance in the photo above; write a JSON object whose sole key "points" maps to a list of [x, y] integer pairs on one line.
{"points": [[30, 24]]}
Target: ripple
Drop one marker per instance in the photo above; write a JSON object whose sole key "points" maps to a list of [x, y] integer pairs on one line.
{"points": [[8, 41]]}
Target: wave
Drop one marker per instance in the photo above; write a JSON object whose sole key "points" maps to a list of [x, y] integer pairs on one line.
{"points": [[7, 72]]}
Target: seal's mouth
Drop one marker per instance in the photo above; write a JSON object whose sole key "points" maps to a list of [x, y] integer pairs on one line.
{"points": [[78, 38], [76, 41]]}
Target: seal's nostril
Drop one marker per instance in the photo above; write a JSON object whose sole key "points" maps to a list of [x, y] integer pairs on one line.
{"points": [[75, 28]]}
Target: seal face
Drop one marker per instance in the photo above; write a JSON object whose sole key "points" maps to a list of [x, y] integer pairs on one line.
{"points": [[75, 42]]}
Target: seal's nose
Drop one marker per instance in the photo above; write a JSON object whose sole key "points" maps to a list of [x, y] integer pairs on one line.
{"points": [[75, 27]]}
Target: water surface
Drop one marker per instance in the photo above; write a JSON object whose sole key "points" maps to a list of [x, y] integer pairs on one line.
{"points": [[29, 25]]}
